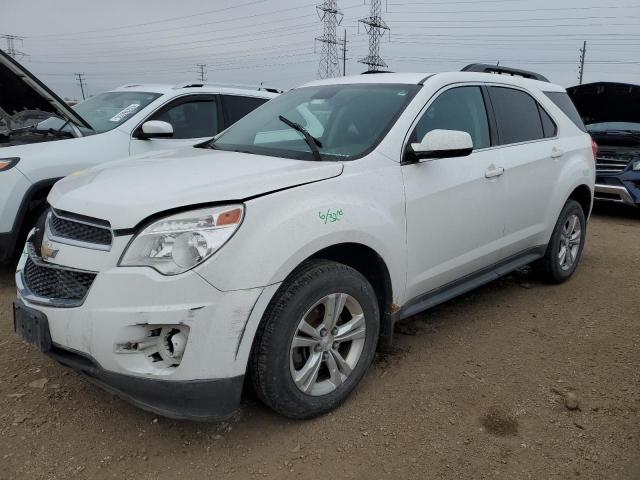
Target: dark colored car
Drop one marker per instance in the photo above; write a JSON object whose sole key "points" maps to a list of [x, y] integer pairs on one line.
{"points": [[611, 113]]}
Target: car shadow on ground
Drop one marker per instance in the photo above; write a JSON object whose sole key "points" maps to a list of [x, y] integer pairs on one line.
{"points": [[615, 210]]}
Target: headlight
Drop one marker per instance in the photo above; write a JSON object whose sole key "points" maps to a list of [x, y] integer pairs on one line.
{"points": [[7, 163], [636, 165], [178, 243]]}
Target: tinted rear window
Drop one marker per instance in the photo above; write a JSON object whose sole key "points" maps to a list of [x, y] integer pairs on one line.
{"points": [[564, 103], [517, 115]]}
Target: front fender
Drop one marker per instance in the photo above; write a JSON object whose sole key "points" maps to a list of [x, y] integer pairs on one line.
{"points": [[283, 229]]}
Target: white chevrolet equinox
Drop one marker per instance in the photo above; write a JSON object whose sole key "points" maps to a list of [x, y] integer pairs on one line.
{"points": [[281, 253]]}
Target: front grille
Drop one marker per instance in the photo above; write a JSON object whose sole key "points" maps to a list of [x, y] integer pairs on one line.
{"points": [[613, 162], [80, 232], [56, 283]]}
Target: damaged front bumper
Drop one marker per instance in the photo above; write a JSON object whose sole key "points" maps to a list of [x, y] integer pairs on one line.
{"points": [[166, 344], [201, 400]]}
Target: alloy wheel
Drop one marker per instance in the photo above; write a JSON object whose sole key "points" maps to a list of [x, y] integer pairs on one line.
{"points": [[570, 239], [327, 344]]}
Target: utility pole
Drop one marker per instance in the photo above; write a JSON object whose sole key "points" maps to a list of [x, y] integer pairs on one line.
{"points": [[344, 54], [11, 45], [83, 84], [202, 71], [331, 17], [583, 54], [376, 27]]}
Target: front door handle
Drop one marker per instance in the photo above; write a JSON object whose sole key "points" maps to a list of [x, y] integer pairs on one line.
{"points": [[556, 152], [494, 172]]}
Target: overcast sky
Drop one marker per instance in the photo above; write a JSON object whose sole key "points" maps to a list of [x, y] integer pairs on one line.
{"points": [[251, 41]]}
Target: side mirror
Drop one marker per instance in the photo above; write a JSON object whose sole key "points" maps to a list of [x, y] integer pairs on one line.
{"points": [[155, 129], [442, 144]]}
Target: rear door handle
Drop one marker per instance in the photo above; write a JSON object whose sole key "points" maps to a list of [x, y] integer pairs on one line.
{"points": [[494, 172], [556, 152]]}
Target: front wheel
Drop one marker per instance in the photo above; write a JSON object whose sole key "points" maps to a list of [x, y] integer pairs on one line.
{"points": [[564, 250], [317, 339]]}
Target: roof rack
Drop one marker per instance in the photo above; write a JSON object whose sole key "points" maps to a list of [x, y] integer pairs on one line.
{"points": [[228, 85], [484, 68]]}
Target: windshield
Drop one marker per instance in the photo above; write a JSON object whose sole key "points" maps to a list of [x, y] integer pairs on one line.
{"points": [[347, 120], [613, 126], [108, 110]]}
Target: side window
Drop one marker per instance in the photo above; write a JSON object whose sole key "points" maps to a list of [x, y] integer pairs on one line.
{"points": [[191, 119], [517, 115], [459, 108], [549, 127], [235, 107]]}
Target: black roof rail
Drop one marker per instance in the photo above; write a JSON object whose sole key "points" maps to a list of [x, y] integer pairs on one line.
{"points": [[369, 72], [484, 68]]}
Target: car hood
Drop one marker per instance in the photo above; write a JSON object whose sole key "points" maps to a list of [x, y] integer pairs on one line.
{"points": [[607, 102], [128, 191], [21, 93]]}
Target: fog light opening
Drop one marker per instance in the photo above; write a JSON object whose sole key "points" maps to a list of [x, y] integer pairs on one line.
{"points": [[163, 346]]}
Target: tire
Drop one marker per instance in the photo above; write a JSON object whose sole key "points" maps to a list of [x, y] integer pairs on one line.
{"points": [[309, 295], [556, 267]]}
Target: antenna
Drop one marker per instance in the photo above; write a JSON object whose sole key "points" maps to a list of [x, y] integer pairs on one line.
{"points": [[83, 85], [331, 17], [11, 45], [375, 27], [583, 54]]}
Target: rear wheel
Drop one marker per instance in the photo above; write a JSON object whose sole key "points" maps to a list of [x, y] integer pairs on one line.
{"points": [[567, 242], [316, 341]]}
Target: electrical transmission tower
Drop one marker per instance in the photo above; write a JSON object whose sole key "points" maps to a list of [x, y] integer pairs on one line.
{"points": [[375, 27], [583, 53], [331, 17], [202, 71], [83, 85], [11, 45]]}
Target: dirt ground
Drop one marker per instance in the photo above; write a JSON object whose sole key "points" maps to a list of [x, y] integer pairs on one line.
{"points": [[476, 389]]}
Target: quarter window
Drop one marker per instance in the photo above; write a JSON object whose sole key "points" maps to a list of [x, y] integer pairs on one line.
{"points": [[191, 119], [517, 115], [548, 125], [460, 108]]}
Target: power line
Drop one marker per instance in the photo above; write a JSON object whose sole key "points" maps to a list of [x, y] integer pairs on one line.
{"points": [[331, 17], [83, 84], [375, 27], [133, 25]]}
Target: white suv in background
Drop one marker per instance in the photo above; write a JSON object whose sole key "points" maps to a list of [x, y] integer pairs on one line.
{"points": [[42, 139], [286, 256]]}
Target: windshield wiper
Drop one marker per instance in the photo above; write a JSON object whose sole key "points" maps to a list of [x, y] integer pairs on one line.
{"points": [[313, 142]]}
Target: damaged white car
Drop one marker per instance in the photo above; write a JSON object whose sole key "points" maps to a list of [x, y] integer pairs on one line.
{"points": [[281, 253]]}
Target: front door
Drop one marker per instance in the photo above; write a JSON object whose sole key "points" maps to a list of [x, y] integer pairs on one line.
{"points": [[194, 118], [454, 206]]}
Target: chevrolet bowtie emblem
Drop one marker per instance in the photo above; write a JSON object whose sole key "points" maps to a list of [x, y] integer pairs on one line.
{"points": [[47, 251]]}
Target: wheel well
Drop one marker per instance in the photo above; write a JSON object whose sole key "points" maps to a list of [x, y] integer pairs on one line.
{"points": [[582, 195], [30, 209], [367, 261]]}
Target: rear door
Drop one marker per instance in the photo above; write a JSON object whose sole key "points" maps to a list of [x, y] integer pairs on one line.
{"points": [[454, 206], [194, 118], [531, 156]]}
